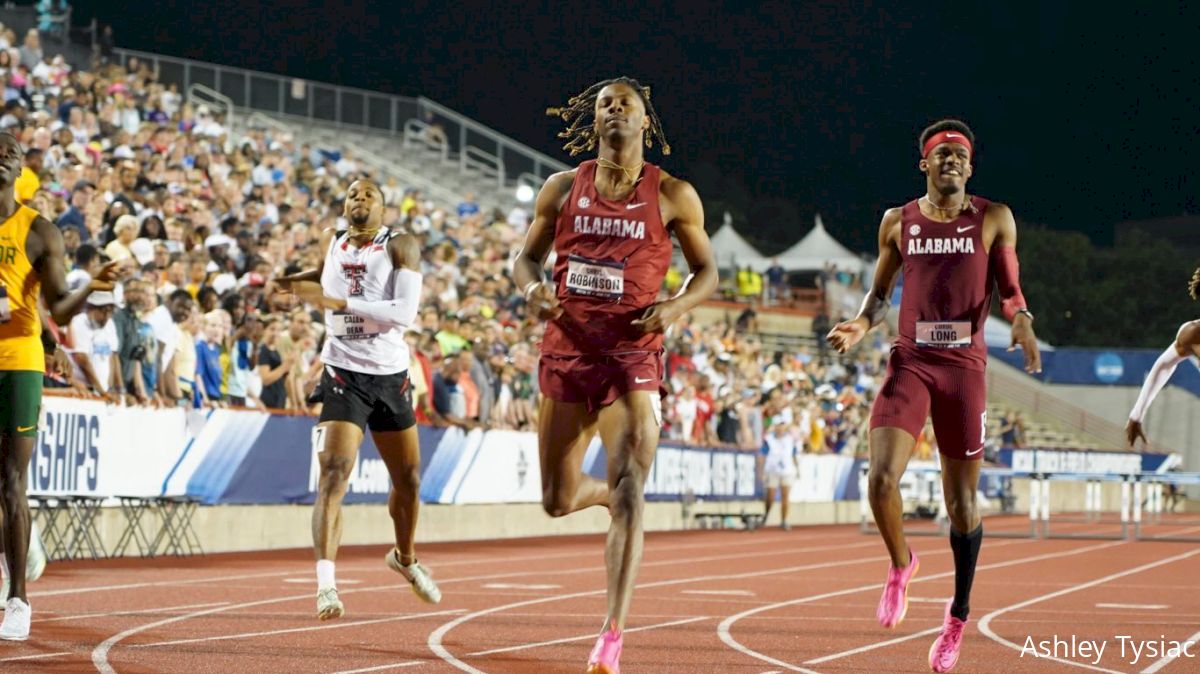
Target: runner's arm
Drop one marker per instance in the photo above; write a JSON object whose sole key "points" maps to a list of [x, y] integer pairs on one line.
{"points": [[47, 251], [1163, 368], [527, 267], [879, 298], [327, 235], [688, 224]]}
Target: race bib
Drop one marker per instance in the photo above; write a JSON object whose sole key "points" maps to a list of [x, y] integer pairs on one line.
{"points": [[944, 334], [349, 326], [595, 278], [5, 311]]}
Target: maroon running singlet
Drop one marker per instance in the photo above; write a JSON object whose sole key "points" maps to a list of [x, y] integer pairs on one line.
{"points": [[939, 358], [612, 257]]}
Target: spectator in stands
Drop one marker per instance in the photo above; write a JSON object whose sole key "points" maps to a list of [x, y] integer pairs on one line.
{"points": [[125, 229], [164, 322], [31, 51], [776, 281], [820, 327], [138, 353], [73, 218], [28, 182], [95, 343], [273, 369], [468, 207], [449, 400], [209, 376]]}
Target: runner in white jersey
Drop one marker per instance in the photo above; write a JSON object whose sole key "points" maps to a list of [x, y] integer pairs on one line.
{"points": [[370, 286]]}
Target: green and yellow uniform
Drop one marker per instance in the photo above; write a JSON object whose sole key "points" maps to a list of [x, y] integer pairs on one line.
{"points": [[22, 359]]}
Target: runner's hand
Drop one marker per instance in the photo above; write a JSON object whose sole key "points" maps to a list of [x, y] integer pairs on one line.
{"points": [[658, 317], [542, 302], [1022, 336], [107, 277], [846, 334], [1133, 431]]}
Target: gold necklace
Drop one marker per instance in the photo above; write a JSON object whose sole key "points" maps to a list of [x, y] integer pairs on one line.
{"points": [[966, 205], [630, 173]]}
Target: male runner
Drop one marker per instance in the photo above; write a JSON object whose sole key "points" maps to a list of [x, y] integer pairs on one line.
{"points": [[370, 286], [952, 248], [609, 221], [1187, 343], [31, 262]]}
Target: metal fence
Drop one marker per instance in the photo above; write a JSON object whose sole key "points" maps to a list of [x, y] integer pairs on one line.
{"points": [[355, 109]]}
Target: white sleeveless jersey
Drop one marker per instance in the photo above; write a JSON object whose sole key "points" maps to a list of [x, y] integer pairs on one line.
{"points": [[356, 343]]}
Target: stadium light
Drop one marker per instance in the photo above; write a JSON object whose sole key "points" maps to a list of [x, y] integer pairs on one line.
{"points": [[524, 193]]}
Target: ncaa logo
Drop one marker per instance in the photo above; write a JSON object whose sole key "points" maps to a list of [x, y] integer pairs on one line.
{"points": [[914, 230], [584, 202]]}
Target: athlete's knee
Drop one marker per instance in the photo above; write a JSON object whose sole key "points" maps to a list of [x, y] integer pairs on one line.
{"points": [[409, 481], [960, 508], [882, 483], [335, 474]]}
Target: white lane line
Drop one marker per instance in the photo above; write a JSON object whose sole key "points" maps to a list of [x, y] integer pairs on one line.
{"points": [[1166, 659], [1135, 607], [135, 612], [871, 647], [40, 656], [518, 586], [521, 647], [928, 600], [327, 626], [313, 581], [358, 568], [721, 593], [985, 622], [435, 638], [100, 652], [723, 630], [397, 665]]}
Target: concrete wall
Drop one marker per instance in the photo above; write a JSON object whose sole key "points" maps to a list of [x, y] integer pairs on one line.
{"points": [[243, 528], [1173, 420]]}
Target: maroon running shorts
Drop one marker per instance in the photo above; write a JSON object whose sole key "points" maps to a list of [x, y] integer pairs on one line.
{"points": [[954, 396], [599, 380]]}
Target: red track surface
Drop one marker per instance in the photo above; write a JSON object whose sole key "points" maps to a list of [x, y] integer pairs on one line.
{"points": [[708, 601]]}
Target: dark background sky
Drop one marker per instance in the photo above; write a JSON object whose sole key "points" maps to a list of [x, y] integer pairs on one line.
{"points": [[1084, 118]]}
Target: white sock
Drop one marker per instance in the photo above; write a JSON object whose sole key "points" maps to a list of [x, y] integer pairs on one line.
{"points": [[3, 566], [325, 576]]}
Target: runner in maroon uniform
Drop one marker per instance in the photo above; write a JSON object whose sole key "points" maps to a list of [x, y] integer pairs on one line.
{"points": [[609, 223], [953, 248]]}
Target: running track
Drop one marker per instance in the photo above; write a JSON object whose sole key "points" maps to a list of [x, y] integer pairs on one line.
{"points": [[712, 601]]}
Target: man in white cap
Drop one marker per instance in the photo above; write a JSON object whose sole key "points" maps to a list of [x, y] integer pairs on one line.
{"points": [[94, 336]]}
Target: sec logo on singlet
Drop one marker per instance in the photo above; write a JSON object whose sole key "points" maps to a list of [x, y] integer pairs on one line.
{"points": [[584, 202], [914, 230]]}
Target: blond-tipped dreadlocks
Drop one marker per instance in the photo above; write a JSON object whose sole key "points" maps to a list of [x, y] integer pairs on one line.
{"points": [[1194, 286], [580, 115]]}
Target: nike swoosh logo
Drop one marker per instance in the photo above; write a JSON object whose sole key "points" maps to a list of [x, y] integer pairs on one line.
{"points": [[963, 229], [953, 135], [630, 207], [639, 380], [24, 429], [975, 452]]}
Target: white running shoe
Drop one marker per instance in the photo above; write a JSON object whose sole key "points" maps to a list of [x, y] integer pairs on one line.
{"points": [[328, 604], [35, 561], [17, 615], [418, 576]]}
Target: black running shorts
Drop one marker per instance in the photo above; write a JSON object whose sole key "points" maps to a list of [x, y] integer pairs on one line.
{"points": [[381, 402]]}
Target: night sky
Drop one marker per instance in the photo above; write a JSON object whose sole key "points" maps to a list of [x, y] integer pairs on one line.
{"points": [[1083, 119]]}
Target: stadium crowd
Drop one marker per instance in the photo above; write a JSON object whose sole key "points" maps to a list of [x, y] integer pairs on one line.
{"points": [[203, 219]]}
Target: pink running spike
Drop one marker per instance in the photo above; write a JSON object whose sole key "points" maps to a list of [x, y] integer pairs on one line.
{"points": [[606, 654], [943, 654], [893, 605]]}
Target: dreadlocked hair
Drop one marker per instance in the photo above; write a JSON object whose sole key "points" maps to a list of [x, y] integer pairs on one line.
{"points": [[1194, 285], [580, 112]]}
